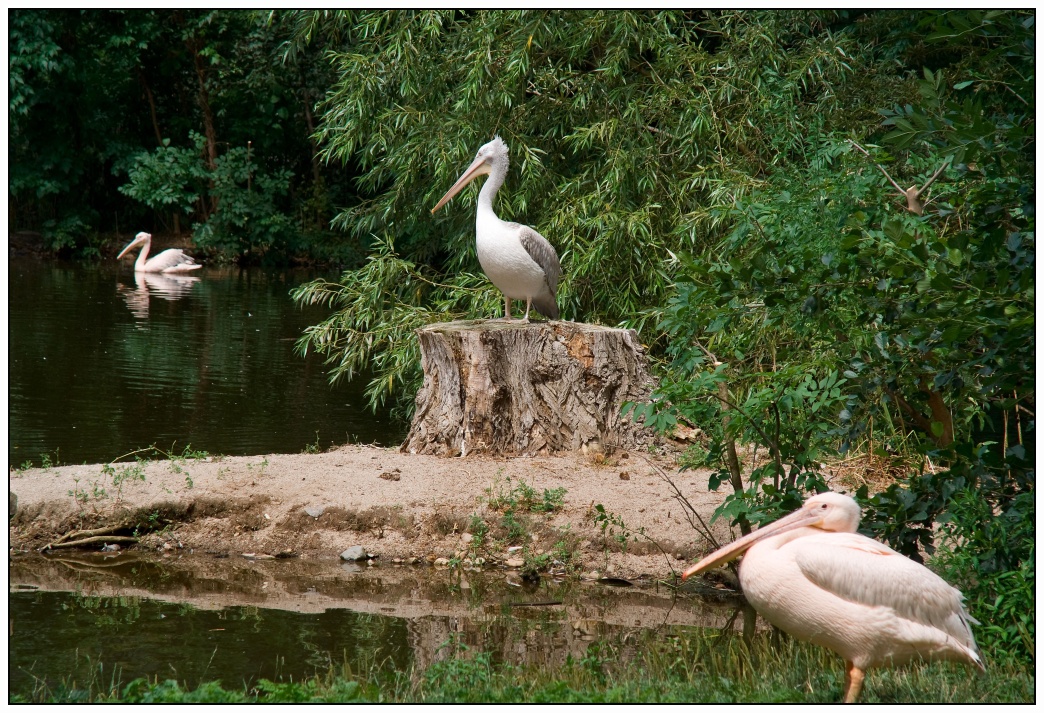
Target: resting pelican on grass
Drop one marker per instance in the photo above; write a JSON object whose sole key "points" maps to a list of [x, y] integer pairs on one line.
{"points": [[516, 258], [812, 576], [167, 261]]}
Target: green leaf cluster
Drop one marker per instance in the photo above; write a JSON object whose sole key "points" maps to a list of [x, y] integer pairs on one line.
{"points": [[123, 120], [631, 136], [837, 320]]}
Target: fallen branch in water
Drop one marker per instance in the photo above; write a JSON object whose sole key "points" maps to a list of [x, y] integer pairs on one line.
{"points": [[90, 533], [115, 539]]}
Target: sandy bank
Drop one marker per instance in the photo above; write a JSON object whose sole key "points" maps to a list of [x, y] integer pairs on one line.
{"points": [[395, 505]]}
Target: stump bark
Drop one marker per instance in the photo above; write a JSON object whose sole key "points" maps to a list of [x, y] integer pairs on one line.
{"points": [[510, 388]]}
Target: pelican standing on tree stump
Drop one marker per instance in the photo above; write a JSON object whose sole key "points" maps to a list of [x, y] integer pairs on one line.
{"points": [[812, 576], [516, 258], [172, 260]]}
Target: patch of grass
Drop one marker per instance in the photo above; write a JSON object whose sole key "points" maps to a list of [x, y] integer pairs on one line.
{"points": [[515, 504], [560, 558], [701, 666], [260, 466], [524, 498]]}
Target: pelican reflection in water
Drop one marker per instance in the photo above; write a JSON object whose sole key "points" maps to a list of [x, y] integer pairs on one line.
{"points": [[166, 286]]}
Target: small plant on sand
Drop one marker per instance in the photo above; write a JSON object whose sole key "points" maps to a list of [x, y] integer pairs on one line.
{"points": [[560, 559], [313, 447], [479, 531], [89, 495], [615, 529], [46, 463], [190, 454], [120, 475], [515, 528], [177, 461], [524, 498]]}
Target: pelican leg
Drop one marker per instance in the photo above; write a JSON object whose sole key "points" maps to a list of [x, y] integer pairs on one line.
{"points": [[507, 308], [529, 301], [853, 682]]}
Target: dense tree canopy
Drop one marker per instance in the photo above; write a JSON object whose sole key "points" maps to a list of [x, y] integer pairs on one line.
{"points": [[142, 119]]}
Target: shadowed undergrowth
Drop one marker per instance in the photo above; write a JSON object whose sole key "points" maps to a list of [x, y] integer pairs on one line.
{"points": [[704, 667]]}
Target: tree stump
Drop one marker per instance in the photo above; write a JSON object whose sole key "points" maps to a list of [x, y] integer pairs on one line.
{"points": [[511, 388]]}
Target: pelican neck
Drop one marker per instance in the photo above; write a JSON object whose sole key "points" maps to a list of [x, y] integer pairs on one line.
{"points": [[497, 174]]}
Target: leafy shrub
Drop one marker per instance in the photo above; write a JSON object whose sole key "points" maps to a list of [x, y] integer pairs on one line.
{"points": [[171, 178], [249, 217], [990, 557]]}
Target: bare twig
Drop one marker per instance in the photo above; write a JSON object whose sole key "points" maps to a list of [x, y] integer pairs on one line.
{"points": [[892, 180], [687, 507], [1015, 93]]}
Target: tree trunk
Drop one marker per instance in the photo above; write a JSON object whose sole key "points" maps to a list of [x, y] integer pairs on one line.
{"points": [[203, 99], [510, 388]]}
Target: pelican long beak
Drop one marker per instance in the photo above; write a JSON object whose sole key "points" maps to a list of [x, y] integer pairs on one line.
{"points": [[800, 518], [132, 244], [477, 168]]}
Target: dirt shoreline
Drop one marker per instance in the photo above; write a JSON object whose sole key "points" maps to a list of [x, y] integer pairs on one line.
{"points": [[398, 507]]}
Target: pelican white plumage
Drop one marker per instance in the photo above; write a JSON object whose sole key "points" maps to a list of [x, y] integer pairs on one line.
{"points": [[168, 261], [812, 576], [518, 260]]}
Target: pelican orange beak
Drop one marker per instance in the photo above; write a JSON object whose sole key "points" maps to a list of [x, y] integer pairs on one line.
{"points": [[138, 240], [477, 168], [800, 518]]}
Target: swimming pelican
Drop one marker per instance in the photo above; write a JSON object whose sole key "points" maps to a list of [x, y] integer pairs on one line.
{"points": [[812, 576], [516, 258], [167, 261]]}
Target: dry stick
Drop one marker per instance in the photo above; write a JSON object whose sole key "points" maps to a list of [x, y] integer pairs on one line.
{"points": [[641, 531], [686, 505], [913, 193], [1018, 421], [94, 540]]}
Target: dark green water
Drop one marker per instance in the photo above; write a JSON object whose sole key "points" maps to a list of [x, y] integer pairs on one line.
{"points": [[102, 362], [91, 621], [70, 639]]}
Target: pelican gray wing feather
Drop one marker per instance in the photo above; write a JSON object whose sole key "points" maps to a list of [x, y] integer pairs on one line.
{"points": [[544, 255]]}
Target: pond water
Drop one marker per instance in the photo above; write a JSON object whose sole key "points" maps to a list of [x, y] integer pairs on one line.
{"points": [[103, 361], [79, 618]]}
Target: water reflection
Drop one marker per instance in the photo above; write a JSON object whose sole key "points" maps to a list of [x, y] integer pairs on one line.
{"points": [[211, 363], [166, 287], [211, 618]]}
